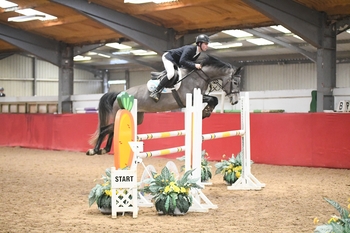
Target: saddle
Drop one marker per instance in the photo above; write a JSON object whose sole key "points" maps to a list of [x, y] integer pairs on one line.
{"points": [[170, 87], [163, 74]]}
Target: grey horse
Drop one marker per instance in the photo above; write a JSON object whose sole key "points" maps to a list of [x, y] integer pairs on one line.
{"points": [[212, 70]]}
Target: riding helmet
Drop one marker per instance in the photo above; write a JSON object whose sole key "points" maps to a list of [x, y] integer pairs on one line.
{"points": [[202, 39]]}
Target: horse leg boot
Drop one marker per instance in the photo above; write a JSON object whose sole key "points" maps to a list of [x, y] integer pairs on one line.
{"points": [[155, 95]]}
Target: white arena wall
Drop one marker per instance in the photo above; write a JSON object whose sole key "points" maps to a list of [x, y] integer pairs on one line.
{"points": [[271, 87]]}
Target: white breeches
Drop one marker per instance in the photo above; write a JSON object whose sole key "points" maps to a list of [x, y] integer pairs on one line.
{"points": [[169, 67]]}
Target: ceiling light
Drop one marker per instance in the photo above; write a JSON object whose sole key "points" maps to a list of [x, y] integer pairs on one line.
{"points": [[91, 53], [260, 41], [141, 52], [298, 37], [137, 1], [121, 53], [163, 1], [118, 46], [104, 55], [81, 58], [218, 45], [6, 4], [237, 33], [147, 1], [25, 18], [29, 11], [117, 82], [31, 14], [116, 61], [281, 29], [348, 31]]}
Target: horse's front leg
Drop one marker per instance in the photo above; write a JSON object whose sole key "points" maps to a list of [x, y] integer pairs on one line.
{"points": [[212, 102], [140, 117]]}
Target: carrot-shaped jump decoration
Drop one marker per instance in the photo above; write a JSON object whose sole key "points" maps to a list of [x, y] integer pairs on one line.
{"points": [[123, 132], [125, 100]]}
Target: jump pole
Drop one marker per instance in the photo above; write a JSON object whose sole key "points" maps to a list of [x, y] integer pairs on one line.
{"points": [[247, 181]]}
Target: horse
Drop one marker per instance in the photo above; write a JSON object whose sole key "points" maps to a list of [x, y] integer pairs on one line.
{"points": [[212, 70]]}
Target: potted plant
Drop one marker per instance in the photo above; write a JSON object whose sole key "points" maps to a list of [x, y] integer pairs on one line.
{"points": [[336, 224], [170, 196], [231, 168], [102, 194], [206, 174]]}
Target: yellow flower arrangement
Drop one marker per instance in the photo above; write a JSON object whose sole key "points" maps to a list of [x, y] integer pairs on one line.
{"points": [[231, 169], [168, 193], [101, 193], [336, 224]]}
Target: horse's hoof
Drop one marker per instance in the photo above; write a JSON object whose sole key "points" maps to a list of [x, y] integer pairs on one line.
{"points": [[90, 152], [101, 152], [207, 112]]}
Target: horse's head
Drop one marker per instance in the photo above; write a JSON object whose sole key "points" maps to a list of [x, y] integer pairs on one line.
{"points": [[230, 78], [234, 89]]}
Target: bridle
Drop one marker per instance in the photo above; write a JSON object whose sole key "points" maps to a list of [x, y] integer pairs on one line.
{"points": [[216, 82], [207, 80]]}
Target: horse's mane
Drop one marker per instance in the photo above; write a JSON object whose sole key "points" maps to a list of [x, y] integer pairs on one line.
{"points": [[213, 61]]}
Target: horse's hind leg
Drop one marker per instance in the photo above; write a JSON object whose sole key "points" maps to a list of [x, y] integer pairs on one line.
{"points": [[108, 144], [103, 132], [97, 146], [212, 102]]}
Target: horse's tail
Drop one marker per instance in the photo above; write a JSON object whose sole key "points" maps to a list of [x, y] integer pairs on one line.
{"points": [[105, 111]]}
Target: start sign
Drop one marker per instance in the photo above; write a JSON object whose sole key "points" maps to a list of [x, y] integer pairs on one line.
{"points": [[124, 191], [123, 178]]}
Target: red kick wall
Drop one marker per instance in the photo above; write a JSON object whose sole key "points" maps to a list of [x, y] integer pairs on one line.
{"points": [[309, 139]]}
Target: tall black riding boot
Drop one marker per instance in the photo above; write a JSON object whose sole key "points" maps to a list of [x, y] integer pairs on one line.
{"points": [[156, 93]]}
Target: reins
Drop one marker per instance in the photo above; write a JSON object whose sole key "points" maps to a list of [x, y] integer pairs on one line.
{"points": [[184, 77]]}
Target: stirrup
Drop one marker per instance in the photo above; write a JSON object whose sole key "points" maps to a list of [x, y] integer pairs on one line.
{"points": [[155, 96]]}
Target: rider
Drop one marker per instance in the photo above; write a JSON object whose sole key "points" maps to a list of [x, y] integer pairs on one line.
{"points": [[185, 57]]}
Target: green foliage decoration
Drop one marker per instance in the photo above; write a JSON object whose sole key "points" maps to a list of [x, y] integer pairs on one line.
{"points": [[169, 193], [336, 224], [231, 169], [101, 193], [206, 173]]}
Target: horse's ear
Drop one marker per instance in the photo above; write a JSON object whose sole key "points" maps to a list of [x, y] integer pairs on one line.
{"points": [[239, 70]]}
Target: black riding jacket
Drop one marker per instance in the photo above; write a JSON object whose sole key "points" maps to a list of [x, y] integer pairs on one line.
{"points": [[183, 56]]}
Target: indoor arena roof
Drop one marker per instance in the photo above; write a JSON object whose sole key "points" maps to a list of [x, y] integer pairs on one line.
{"points": [[73, 23]]}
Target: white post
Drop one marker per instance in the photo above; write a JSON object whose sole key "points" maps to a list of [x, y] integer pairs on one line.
{"points": [[188, 132], [247, 181], [196, 133], [196, 156]]}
